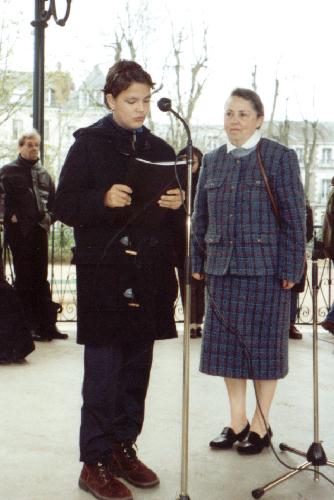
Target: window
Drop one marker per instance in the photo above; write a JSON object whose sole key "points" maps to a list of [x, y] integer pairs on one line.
{"points": [[325, 187], [51, 97], [69, 131], [17, 128], [98, 96], [300, 154], [83, 99], [46, 130], [326, 155]]}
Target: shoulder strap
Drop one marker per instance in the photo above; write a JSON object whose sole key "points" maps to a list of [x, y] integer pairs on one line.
{"points": [[272, 199]]}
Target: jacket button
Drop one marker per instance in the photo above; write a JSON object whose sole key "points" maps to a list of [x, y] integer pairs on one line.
{"points": [[259, 240]]}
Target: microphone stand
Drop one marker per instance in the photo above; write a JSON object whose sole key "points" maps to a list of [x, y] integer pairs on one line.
{"points": [[187, 304], [315, 455]]}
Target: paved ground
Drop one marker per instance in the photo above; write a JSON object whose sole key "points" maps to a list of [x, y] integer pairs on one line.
{"points": [[39, 419]]}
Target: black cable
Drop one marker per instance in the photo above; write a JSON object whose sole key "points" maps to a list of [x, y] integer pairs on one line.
{"points": [[250, 368]]}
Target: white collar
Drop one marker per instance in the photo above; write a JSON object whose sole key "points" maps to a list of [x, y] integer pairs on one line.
{"points": [[250, 143]]}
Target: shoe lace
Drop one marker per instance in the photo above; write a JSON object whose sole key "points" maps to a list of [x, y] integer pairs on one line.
{"points": [[103, 472], [130, 450]]}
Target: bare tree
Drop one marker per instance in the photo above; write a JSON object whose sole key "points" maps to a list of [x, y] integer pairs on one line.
{"points": [[134, 33], [270, 128], [186, 96], [254, 74], [310, 134], [15, 86]]}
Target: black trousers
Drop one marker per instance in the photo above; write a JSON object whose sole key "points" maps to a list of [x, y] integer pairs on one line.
{"points": [[114, 390], [197, 301], [30, 261]]}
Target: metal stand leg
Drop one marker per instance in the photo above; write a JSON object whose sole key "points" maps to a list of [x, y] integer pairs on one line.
{"points": [[186, 336], [315, 455]]}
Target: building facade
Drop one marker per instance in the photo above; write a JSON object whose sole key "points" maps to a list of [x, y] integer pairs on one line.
{"points": [[68, 108]]}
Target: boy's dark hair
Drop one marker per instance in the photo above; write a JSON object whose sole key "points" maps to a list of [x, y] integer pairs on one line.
{"points": [[121, 75], [253, 97]]}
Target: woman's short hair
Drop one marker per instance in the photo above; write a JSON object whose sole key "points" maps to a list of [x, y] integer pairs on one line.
{"points": [[253, 97], [121, 75]]}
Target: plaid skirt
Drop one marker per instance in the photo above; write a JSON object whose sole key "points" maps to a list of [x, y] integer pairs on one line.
{"points": [[246, 328]]}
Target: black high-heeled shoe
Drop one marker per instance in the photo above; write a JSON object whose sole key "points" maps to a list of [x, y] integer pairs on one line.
{"points": [[254, 443], [228, 437]]}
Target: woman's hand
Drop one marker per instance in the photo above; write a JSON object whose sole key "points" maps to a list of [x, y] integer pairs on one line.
{"points": [[172, 199], [286, 284], [198, 276], [118, 196]]}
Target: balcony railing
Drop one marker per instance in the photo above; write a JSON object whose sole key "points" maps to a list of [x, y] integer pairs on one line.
{"points": [[62, 277]]}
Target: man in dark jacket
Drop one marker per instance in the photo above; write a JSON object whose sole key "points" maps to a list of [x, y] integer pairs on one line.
{"points": [[27, 195], [126, 283]]}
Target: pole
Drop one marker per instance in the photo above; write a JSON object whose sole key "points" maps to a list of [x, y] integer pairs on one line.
{"points": [[38, 78], [42, 15], [165, 104], [186, 334]]}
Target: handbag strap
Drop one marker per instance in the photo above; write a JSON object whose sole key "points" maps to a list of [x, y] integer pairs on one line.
{"points": [[272, 199]]}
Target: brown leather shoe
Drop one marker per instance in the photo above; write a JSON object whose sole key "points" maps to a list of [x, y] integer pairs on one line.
{"points": [[98, 480], [125, 463], [328, 325], [294, 333]]}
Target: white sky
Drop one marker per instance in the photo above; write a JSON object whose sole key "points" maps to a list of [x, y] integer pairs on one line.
{"points": [[291, 40]]}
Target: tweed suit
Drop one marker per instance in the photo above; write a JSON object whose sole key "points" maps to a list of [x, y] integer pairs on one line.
{"points": [[245, 254]]}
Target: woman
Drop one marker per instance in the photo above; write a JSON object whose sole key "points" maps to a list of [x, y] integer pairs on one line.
{"points": [[197, 286], [126, 283], [250, 262]]}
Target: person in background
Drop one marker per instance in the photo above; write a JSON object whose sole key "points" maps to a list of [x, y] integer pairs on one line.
{"points": [[294, 333], [328, 244], [15, 339], [27, 199], [126, 282], [197, 287], [251, 252]]}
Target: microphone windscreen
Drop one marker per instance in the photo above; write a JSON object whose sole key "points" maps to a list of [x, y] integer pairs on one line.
{"points": [[165, 104]]}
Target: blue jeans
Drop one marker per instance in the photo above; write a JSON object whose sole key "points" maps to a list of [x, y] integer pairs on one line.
{"points": [[114, 390]]}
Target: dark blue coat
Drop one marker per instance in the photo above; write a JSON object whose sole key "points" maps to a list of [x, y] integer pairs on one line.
{"points": [[106, 274]]}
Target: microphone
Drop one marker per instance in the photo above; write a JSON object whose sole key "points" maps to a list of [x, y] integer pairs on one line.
{"points": [[165, 104]]}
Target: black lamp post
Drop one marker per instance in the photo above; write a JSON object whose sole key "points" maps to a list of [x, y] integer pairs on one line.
{"points": [[44, 9]]}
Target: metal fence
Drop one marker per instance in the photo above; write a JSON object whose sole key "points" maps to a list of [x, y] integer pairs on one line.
{"points": [[62, 276]]}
